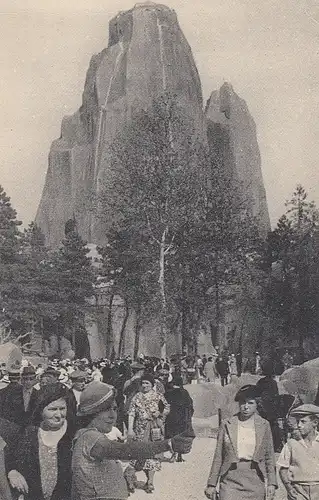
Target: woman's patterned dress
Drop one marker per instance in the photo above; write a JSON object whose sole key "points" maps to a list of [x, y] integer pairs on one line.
{"points": [[144, 408]]}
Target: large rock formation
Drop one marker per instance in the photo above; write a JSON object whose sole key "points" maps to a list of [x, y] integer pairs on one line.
{"points": [[232, 138], [147, 55]]}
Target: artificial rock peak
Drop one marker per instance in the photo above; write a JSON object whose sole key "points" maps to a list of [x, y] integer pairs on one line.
{"points": [[232, 138], [147, 56]]}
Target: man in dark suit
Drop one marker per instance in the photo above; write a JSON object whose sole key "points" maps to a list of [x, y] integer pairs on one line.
{"points": [[162, 365], [18, 399]]}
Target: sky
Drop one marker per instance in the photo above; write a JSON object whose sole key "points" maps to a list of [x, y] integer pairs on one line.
{"points": [[267, 49]]}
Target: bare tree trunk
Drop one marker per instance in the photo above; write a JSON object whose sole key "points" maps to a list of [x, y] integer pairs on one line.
{"points": [[217, 301], [184, 328], [73, 343], [109, 330], [43, 346], [137, 331], [123, 331], [161, 282], [58, 334]]}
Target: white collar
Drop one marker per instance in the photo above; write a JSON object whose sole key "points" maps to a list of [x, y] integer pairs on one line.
{"points": [[51, 438], [303, 442]]}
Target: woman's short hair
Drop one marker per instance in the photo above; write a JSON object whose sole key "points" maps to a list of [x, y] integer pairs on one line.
{"points": [[148, 378], [45, 396]]}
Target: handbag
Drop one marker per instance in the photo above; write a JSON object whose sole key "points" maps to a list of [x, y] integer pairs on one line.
{"points": [[156, 430], [156, 434]]}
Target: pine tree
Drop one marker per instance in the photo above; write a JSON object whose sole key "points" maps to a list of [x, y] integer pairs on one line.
{"points": [[10, 236], [293, 292], [11, 292], [70, 280]]}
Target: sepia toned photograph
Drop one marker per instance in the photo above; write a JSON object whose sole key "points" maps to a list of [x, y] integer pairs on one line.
{"points": [[159, 250]]}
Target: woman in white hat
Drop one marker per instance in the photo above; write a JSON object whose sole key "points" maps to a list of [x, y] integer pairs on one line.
{"points": [[97, 474]]}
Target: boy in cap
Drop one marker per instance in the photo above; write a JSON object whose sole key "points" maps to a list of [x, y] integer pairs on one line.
{"points": [[298, 462]]}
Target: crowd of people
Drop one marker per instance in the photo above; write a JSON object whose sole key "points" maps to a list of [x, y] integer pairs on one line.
{"points": [[73, 429], [76, 430]]}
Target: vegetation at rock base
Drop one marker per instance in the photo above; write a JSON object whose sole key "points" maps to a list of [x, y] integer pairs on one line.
{"points": [[43, 290], [293, 290], [180, 235], [175, 236]]}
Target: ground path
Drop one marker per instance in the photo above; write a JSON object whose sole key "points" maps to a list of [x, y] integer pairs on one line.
{"points": [[185, 481]]}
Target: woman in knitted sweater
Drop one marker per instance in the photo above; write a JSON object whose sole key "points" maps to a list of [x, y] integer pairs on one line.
{"points": [[97, 474]]}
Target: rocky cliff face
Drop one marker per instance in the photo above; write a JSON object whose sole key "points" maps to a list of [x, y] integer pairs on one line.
{"points": [[147, 55], [232, 139]]}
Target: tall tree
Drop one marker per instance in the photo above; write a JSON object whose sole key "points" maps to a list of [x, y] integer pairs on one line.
{"points": [[75, 279], [153, 187], [11, 291], [293, 249]]}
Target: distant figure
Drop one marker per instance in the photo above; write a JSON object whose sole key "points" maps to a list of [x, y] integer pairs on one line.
{"points": [[258, 369], [210, 370], [162, 365], [232, 365], [287, 360], [78, 379], [204, 360], [222, 370]]}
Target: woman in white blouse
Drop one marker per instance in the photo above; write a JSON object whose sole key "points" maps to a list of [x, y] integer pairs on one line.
{"points": [[244, 460]]}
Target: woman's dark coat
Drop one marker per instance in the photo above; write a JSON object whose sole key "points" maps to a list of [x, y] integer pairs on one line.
{"points": [[179, 418], [26, 461]]}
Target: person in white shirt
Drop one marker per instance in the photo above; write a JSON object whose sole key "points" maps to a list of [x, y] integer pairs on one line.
{"points": [[78, 380], [298, 462], [96, 374], [244, 460]]}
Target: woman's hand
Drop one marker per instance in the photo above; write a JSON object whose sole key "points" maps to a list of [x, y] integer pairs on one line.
{"points": [[210, 492], [18, 482]]}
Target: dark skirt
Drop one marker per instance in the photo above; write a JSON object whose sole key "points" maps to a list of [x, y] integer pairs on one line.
{"points": [[243, 481]]}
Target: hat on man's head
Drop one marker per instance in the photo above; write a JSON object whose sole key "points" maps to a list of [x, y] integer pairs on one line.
{"points": [[51, 371], [304, 410], [14, 371], [78, 375], [163, 371], [177, 381], [137, 366], [95, 398], [248, 391]]}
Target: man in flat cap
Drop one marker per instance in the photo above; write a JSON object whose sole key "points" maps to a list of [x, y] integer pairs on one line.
{"points": [[298, 462], [78, 380]]}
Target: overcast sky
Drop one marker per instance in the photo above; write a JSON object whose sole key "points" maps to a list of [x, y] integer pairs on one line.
{"points": [[268, 50]]}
